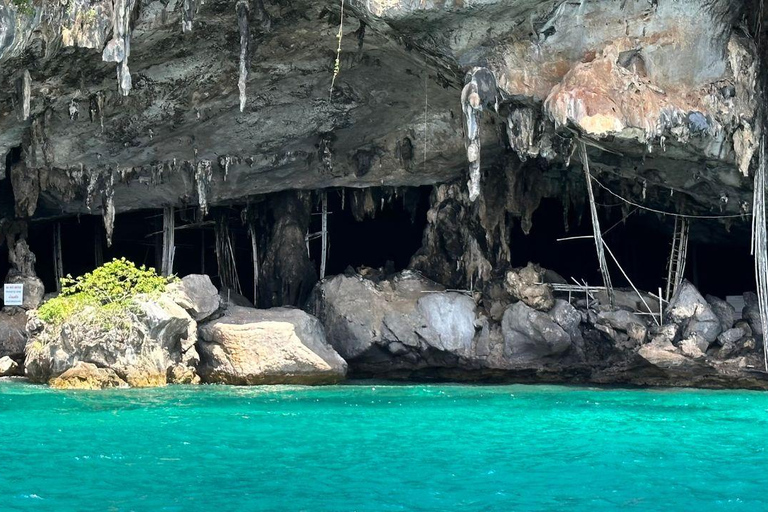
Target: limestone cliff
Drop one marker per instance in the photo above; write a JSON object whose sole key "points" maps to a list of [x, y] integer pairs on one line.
{"points": [[250, 113]]}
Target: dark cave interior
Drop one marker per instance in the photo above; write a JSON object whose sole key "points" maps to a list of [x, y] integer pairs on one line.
{"points": [[718, 262]]}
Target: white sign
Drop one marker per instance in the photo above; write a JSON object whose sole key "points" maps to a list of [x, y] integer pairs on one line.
{"points": [[13, 294]]}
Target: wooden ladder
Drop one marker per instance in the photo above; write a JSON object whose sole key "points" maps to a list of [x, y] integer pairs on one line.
{"points": [[677, 256]]}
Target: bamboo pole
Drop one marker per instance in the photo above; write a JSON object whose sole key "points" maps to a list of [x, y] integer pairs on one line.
{"points": [[169, 219], [255, 256], [324, 232], [596, 226], [648, 308], [58, 265]]}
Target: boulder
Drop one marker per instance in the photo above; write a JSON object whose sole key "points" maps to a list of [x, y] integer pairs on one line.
{"points": [[531, 335], [663, 354], [13, 332], [8, 367], [527, 284], [723, 311], [694, 346], [731, 336], [87, 376], [689, 309], [451, 316], [250, 346], [751, 313], [230, 297], [140, 345], [182, 374], [33, 289], [620, 320], [406, 315], [197, 295], [567, 317]]}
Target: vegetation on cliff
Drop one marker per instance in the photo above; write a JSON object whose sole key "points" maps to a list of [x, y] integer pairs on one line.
{"points": [[110, 290]]}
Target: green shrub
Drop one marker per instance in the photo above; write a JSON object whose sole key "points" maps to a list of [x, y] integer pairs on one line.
{"points": [[111, 289], [24, 7]]}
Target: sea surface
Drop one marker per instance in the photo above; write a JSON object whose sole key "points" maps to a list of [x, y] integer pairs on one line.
{"points": [[374, 446]]}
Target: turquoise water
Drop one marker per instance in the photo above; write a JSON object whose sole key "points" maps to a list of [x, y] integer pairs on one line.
{"points": [[378, 447]]}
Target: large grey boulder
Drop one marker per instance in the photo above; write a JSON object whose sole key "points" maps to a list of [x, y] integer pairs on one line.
{"points": [[197, 295], [404, 322], [751, 313], [451, 316], [531, 335], [13, 332], [724, 311], [689, 309], [250, 346], [141, 347]]}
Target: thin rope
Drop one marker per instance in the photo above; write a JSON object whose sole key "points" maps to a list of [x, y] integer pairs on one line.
{"points": [[662, 212]]}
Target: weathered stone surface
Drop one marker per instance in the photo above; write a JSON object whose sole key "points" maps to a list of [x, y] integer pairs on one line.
{"points": [[663, 354], [724, 311], [197, 295], [731, 336], [527, 284], [182, 374], [8, 367], [13, 332], [84, 375], [159, 334], [690, 310], [275, 346], [531, 335], [751, 313], [694, 346]]}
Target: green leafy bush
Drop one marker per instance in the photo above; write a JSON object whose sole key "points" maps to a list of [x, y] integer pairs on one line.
{"points": [[110, 288], [24, 7]]}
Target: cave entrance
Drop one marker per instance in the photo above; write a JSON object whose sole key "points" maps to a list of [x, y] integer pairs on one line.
{"points": [[718, 262], [377, 227]]}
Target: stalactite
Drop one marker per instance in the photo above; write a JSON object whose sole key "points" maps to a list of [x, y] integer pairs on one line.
{"points": [[480, 87], [470, 104], [119, 47], [108, 207], [96, 108], [203, 176], [188, 14], [242, 21], [24, 94]]}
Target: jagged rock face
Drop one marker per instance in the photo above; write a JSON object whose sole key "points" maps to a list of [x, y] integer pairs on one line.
{"points": [[161, 336], [226, 102]]}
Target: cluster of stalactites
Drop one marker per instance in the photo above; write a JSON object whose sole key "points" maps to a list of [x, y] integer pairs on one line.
{"points": [[471, 106], [480, 88], [119, 47]]}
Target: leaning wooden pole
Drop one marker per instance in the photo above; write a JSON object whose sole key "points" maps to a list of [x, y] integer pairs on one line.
{"points": [[324, 234], [169, 228], [255, 256], [760, 246], [58, 265], [599, 247]]}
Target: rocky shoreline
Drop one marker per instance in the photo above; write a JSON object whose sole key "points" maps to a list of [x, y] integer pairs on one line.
{"points": [[402, 327]]}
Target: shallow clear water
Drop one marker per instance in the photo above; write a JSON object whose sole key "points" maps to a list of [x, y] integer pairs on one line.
{"points": [[381, 447]]}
